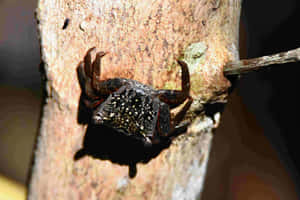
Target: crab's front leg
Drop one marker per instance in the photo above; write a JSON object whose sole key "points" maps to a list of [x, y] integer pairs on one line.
{"points": [[89, 75], [85, 75], [176, 97], [91, 71]]}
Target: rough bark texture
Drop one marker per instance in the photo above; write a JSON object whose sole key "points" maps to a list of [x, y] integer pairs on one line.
{"points": [[144, 39]]}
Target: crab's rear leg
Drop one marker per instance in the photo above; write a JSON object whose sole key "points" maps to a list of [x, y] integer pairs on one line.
{"points": [[177, 97], [180, 115], [177, 126], [172, 128]]}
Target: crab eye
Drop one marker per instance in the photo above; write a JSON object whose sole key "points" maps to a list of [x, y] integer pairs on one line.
{"points": [[98, 118]]}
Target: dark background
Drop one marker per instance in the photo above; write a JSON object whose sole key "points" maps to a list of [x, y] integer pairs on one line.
{"points": [[19, 86], [272, 95], [269, 98]]}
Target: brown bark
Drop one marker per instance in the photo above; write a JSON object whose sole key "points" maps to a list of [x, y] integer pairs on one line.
{"points": [[144, 39]]}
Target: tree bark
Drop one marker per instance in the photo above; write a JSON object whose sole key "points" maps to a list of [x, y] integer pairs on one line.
{"points": [[144, 39]]}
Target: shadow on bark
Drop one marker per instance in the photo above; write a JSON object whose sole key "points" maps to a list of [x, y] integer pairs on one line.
{"points": [[105, 143]]}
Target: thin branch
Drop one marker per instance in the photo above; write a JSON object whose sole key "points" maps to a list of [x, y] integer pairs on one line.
{"points": [[248, 65]]}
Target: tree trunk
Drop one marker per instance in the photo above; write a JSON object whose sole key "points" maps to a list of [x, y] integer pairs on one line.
{"points": [[144, 39]]}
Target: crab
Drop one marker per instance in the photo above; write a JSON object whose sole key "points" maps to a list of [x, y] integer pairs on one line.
{"points": [[132, 108]]}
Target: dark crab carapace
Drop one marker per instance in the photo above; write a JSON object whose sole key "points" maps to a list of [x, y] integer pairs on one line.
{"points": [[131, 107]]}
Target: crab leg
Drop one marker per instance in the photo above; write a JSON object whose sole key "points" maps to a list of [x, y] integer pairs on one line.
{"points": [[177, 97], [96, 70], [89, 77], [88, 62], [180, 115]]}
